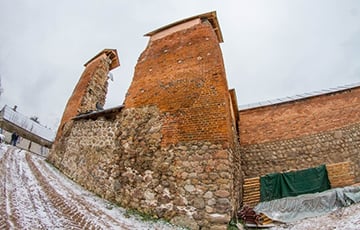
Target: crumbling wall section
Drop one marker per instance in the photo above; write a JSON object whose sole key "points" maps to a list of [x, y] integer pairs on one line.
{"points": [[91, 88], [97, 153], [122, 160], [171, 150]]}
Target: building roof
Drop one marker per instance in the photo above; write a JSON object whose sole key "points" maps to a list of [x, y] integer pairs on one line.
{"points": [[98, 113], [298, 97], [29, 128], [210, 16]]}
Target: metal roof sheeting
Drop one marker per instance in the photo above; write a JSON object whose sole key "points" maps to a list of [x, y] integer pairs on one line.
{"points": [[27, 124], [298, 97]]}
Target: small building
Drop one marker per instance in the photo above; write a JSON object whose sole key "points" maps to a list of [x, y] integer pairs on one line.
{"points": [[33, 136]]}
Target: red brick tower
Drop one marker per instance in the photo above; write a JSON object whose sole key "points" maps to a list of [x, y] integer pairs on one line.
{"points": [[91, 88], [182, 72]]}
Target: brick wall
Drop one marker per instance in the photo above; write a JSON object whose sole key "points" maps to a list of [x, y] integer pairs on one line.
{"points": [[304, 152], [183, 74], [301, 134], [300, 118]]}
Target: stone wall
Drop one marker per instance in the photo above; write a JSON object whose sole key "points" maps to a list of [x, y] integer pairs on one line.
{"points": [[95, 153], [300, 134], [307, 151], [121, 159], [91, 87], [172, 151], [182, 73]]}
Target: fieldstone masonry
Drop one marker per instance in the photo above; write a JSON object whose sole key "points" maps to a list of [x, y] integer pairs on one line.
{"points": [[304, 152], [178, 148], [300, 134], [91, 88], [170, 150]]}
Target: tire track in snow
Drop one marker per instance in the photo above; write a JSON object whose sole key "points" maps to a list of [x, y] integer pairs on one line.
{"points": [[12, 214], [34, 195], [56, 181], [70, 211], [25, 204]]}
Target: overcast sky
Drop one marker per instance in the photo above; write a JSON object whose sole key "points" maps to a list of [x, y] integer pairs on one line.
{"points": [[271, 49]]}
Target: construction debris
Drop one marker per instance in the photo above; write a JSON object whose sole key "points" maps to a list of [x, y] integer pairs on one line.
{"points": [[251, 219]]}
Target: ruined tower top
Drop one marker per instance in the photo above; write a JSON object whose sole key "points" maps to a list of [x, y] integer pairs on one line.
{"points": [[111, 54], [90, 92], [182, 73], [186, 23]]}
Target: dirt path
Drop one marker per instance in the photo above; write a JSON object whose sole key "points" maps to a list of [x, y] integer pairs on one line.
{"points": [[34, 195]]}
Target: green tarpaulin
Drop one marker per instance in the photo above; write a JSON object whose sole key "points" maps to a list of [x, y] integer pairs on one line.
{"points": [[278, 185]]}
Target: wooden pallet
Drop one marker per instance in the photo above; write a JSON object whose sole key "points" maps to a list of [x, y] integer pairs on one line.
{"points": [[340, 174], [251, 191]]}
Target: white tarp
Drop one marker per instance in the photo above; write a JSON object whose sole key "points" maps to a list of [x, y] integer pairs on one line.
{"points": [[291, 209], [27, 124]]}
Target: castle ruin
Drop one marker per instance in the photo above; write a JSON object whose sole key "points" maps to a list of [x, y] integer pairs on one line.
{"points": [[179, 148]]}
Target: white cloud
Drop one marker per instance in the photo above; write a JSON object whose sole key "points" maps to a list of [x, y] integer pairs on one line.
{"points": [[272, 48]]}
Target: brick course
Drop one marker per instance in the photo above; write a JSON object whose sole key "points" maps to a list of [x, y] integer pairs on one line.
{"points": [[300, 118], [183, 74]]}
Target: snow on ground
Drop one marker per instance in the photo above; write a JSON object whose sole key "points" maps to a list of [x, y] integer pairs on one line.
{"points": [[34, 195]]}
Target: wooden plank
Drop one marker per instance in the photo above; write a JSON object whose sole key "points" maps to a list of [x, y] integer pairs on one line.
{"points": [[338, 170], [253, 179], [267, 222], [253, 184], [252, 193], [253, 197], [252, 200], [339, 163]]}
